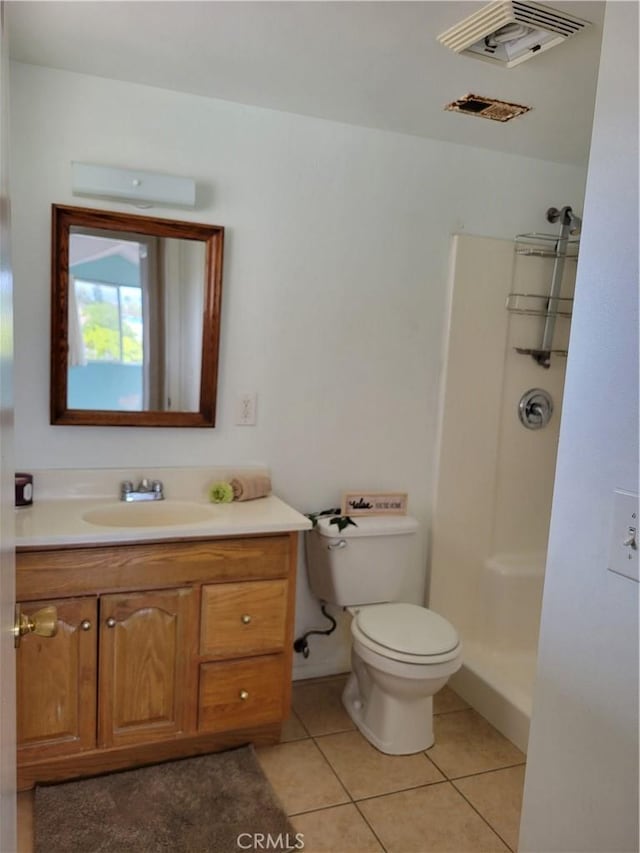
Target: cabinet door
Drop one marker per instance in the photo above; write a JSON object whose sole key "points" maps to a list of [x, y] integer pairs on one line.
{"points": [[56, 683], [147, 685]]}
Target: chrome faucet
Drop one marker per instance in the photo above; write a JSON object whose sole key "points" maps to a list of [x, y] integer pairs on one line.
{"points": [[148, 490]]}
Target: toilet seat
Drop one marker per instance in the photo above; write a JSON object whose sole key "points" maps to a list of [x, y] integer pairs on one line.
{"points": [[407, 633]]}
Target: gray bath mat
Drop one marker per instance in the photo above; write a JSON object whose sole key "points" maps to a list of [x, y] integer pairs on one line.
{"points": [[210, 804]]}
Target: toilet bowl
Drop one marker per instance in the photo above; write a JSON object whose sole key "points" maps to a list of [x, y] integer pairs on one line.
{"points": [[402, 654]]}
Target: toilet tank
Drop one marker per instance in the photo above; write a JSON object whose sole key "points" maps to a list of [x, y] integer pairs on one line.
{"points": [[365, 564]]}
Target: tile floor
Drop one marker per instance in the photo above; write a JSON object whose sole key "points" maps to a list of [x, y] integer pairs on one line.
{"points": [[463, 795]]}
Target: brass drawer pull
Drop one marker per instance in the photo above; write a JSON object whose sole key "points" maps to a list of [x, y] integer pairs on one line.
{"points": [[244, 695], [111, 622], [85, 625], [246, 619]]}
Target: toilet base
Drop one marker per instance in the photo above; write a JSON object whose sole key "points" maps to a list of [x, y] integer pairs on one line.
{"points": [[394, 715]]}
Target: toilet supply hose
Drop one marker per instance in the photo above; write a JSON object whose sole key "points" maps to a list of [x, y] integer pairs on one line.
{"points": [[302, 646]]}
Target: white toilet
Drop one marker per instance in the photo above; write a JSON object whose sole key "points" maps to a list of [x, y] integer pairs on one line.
{"points": [[402, 654]]}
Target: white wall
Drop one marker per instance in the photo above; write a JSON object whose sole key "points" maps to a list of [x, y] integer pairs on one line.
{"points": [[334, 284], [581, 791]]}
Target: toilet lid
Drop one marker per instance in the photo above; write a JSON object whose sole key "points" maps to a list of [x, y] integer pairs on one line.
{"points": [[407, 628]]}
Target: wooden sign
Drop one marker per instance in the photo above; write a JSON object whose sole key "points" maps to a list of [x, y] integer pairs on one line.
{"points": [[374, 503]]}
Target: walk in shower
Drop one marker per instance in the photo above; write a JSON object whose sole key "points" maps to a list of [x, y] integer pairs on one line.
{"points": [[508, 332]]}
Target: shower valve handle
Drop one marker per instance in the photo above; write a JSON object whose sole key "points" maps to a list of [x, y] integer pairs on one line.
{"points": [[536, 413], [535, 408]]}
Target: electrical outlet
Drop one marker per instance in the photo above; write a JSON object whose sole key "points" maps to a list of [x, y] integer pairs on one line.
{"points": [[246, 410]]}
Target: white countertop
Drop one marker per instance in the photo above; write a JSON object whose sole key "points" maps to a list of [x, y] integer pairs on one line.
{"points": [[60, 522]]}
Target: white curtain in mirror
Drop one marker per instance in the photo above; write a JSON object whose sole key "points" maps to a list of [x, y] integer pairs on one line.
{"points": [[182, 265], [77, 353]]}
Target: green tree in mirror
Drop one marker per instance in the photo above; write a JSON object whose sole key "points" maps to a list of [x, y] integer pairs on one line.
{"points": [[111, 327]]}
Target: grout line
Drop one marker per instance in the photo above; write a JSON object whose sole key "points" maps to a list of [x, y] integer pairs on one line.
{"points": [[330, 766], [321, 679], [313, 811], [400, 791], [331, 734], [320, 809], [492, 828], [299, 719], [338, 805], [375, 834], [431, 761], [476, 773], [293, 740], [484, 772], [452, 711], [425, 752]]}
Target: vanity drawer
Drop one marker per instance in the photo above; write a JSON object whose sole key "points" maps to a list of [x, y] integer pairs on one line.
{"points": [[241, 693], [240, 619]]}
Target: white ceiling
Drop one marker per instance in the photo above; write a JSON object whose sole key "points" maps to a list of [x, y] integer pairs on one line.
{"points": [[375, 64]]}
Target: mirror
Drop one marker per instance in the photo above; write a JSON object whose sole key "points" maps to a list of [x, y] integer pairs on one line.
{"points": [[135, 319]]}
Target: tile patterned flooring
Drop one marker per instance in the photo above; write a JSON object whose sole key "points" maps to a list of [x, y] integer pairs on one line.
{"points": [[463, 795]]}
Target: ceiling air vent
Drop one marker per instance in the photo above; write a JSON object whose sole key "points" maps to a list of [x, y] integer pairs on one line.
{"points": [[509, 32], [476, 105]]}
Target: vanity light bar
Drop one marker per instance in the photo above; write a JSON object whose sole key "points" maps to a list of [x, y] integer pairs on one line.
{"points": [[142, 188]]}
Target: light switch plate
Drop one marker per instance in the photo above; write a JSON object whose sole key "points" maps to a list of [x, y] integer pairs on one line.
{"points": [[623, 556]]}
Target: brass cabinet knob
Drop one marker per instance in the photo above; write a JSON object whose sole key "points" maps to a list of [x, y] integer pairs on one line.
{"points": [[43, 623], [85, 625], [244, 695], [246, 619], [111, 622]]}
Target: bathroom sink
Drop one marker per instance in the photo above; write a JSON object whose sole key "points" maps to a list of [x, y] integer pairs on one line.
{"points": [[149, 514]]}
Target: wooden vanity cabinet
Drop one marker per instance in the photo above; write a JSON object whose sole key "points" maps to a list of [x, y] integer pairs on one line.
{"points": [[163, 650]]}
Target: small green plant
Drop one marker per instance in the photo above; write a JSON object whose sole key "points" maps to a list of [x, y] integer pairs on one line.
{"points": [[341, 521]]}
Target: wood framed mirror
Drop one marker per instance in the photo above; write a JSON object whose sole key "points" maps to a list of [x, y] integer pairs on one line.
{"points": [[135, 319]]}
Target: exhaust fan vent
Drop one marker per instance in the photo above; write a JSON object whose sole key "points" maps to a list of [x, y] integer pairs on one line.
{"points": [[476, 105], [509, 32]]}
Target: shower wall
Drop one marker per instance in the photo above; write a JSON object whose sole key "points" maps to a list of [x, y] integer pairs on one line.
{"points": [[495, 478]]}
